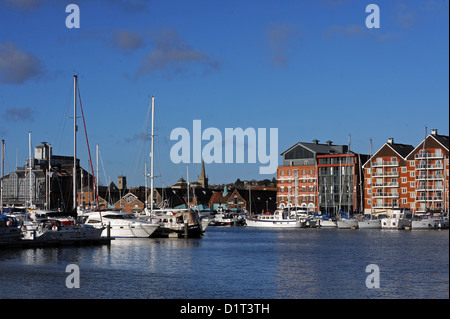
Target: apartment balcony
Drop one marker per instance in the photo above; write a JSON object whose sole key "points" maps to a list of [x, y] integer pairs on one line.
{"points": [[385, 164], [430, 177], [429, 166], [430, 199], [385, 174], [385, 195], [429, 155], [430, 188], [390, 184], [385, 205]]}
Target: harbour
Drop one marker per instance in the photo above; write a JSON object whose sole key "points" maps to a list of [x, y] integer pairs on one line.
{"points": [[156, 151], [238, 263]]}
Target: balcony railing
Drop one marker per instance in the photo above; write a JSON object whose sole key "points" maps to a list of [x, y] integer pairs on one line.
{"points": [[428, 155], [385, 174], [385, 205], [389, 184], [385, 163], [430, 198], [430, 177], [429, 166], [391, 195]]}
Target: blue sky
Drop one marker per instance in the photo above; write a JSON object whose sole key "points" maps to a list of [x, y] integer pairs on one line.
{"points": [[312, 69]]}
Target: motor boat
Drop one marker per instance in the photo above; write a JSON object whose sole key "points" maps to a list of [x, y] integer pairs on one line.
{"points": [[120, 223], [279, 219], [55, 230], [175, 223], [400, 218]]}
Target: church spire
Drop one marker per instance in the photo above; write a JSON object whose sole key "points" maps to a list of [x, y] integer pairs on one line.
{"points": [[203, 180]]}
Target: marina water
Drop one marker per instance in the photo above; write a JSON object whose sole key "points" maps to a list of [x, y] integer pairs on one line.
{"points": [[238, 263]]}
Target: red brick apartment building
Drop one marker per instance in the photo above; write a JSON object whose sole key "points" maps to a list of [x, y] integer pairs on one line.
{"points": [[399, 175], [322, 178]]}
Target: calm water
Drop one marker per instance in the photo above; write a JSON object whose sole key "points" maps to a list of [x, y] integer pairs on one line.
{"points": [[238, 262]]}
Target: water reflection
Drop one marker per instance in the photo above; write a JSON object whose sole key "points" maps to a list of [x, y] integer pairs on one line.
{"points": [[238, 262]]}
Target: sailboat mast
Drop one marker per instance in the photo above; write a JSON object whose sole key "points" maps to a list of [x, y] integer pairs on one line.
{"points": [[152, 155], [29, 169], [74, 141]]}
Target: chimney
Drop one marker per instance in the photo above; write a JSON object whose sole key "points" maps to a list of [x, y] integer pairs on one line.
{"points": [[329, 143], [391, 140], [434, 132], [316, 141]]}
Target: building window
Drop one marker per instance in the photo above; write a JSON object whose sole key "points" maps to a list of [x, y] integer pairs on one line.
{"points": [[412, 174], [412, 163], [403, 179], [412, 195], [404, 191]]}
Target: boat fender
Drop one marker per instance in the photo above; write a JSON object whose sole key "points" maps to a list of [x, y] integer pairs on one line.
{"points": [[54, 227]]}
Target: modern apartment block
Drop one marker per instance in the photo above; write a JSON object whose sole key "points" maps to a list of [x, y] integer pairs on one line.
{"points": [[401, 175], [322, 178]]}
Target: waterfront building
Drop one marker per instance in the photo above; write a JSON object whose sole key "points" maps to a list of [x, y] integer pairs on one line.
{"points": [[401, 175], [428, 170], [322, 178], [45, 181], [386, 175]]}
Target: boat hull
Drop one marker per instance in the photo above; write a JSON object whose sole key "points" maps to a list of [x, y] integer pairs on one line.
{"points": [[327, 223], [130, 230], [347, 224], [63, 233], [429, 224], [193, 231], [9, 234], [369, 224], [395, 223], [287, 223]]}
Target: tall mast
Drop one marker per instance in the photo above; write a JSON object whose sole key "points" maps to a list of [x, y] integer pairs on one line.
{"points": [[96, 178], [74, 141], [29, 169], [152, 155]]}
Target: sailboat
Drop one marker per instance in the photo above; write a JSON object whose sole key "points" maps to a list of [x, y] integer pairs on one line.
{"points": [[170, 222], [370, 222], [46, 228], [346, 221]]}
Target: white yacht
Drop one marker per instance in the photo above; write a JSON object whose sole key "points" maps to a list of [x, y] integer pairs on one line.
{"points": [[430, 222], [121, 224], [347, 223], [400, 218], [370, 222], [54, 230], [279, 219]]}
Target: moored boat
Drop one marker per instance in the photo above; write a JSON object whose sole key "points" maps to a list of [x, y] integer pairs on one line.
{"points": [[347, 223], [121, 224], [399, 218], [279, 219], [430, 222], [177, 223], [54, 230], [369, 224]]}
